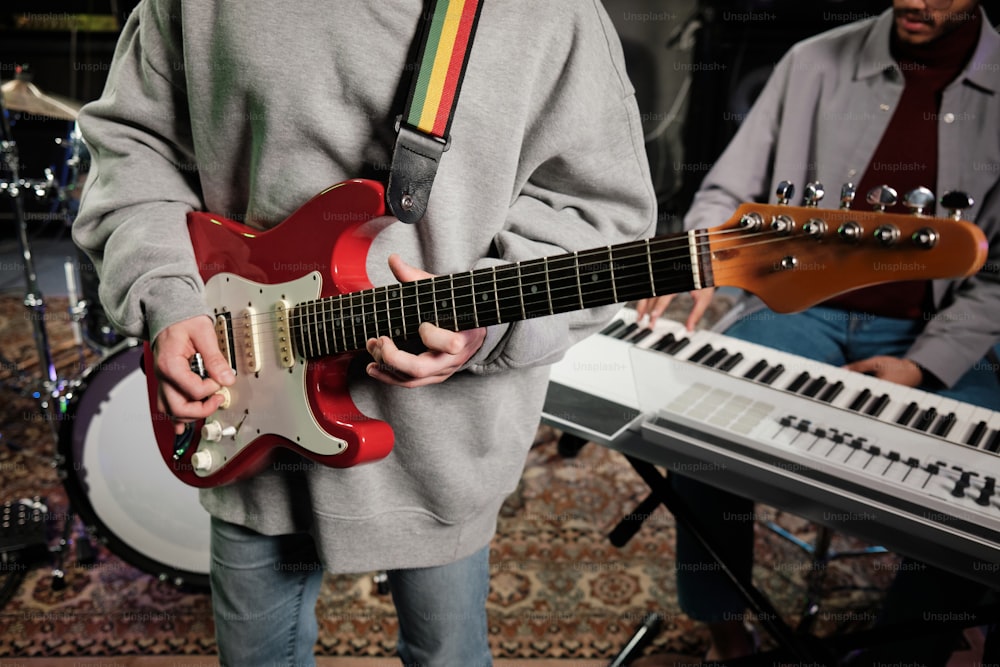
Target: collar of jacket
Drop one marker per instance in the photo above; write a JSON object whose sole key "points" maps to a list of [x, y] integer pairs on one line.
{"points": [[983, 70]]}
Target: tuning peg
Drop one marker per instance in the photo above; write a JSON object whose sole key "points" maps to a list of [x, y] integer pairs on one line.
{"points": [[881, 197], [847, 194], [813, 193], [956, 201], [917, 200], [785, 191]]}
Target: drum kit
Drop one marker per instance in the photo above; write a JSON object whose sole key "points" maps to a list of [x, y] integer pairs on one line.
{"points": [[106, 455]]}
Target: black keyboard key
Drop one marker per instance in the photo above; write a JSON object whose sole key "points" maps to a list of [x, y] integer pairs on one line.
{"points": [[860, 400], [814, 387], [908, 413], [718, 356], [772, 374], [798, 382], [678, 346], [700, 353], [926, 419], [878, 405], [611, 328], [977, 435], [832, 392], [664, 342], [624, 333], [731, 362], [994, 442], [642, 333], [945, 424], [755, 370]]}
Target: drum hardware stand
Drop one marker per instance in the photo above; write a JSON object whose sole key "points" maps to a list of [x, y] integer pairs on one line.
{"points": [[52, 393], [33, 300]]}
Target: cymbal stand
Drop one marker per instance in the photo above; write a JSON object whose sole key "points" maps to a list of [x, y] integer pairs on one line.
{"points": [[53, 393], [33, 300]]}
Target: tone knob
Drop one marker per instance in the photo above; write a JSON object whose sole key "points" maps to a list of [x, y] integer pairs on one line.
{"points": [[227, 397], [202, 460], [213, 431]]}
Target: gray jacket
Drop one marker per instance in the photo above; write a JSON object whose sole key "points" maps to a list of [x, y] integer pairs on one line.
{"points": [[820, 118], [249, 109]]}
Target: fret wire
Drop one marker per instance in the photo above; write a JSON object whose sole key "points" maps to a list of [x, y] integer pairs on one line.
{"points": [[343, 326], [649, 268], [579, 286], [402, 310], [364, 316], [326, 338], [611, 271], [434, 301], [311, 325], [496, 296], [520, 290], [454, 308], [548, 290], [475, 306]]}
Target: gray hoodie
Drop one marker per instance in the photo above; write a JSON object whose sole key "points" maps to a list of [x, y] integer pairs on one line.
{"points": [[247, 109]]}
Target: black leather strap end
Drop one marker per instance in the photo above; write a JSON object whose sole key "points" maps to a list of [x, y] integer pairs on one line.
{"points": [[415, 161]]}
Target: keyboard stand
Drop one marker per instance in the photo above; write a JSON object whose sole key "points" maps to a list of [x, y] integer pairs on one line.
{"points": [[662, 493], [793, 644]]}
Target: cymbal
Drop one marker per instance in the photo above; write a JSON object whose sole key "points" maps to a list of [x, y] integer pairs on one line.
{"points": [[22, 95]]}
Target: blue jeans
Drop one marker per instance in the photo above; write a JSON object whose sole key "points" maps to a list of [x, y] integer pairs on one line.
{"points": [[264, 592], [834, 337]]}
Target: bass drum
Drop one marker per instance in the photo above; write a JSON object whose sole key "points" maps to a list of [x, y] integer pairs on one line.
{"points": [[116, 479]]}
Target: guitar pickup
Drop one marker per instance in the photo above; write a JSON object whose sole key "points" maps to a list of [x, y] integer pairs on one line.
{"points": [[283, 340], [224, 336], [249, 340]]}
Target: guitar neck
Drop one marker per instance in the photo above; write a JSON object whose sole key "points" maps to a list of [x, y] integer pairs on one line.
{"points": [[505, 293]]}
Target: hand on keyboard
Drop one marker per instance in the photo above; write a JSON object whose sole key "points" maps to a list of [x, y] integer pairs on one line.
{"points": [[656, 306], [891, 369]]}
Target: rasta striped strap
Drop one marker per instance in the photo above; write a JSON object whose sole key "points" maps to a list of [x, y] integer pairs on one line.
{"points": [[445, 54], [423, 132]]}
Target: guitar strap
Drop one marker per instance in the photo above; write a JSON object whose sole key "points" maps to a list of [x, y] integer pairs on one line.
{"points": [[422, 133]]}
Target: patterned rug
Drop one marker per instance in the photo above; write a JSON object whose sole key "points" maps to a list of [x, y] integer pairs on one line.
{"points": [[559, 588]]}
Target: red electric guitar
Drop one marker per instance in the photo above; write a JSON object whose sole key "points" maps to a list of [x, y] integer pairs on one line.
{"points": [[293, 305]]}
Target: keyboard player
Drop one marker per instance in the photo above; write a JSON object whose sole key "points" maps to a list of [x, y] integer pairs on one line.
{"points": [[909, 98]]}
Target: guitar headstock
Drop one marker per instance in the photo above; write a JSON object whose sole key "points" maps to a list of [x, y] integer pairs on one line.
{"points": [[794, 257]]}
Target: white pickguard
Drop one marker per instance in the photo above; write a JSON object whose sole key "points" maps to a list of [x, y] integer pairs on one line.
{"points": [[272, 400]]}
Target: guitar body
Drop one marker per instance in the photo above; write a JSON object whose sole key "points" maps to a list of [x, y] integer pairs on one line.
{"points": [[319, 251]]}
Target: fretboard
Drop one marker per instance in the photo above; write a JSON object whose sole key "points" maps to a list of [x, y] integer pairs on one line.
{"points": [[504, 293]]}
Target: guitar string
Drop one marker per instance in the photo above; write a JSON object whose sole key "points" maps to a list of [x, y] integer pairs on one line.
{"points": [[657, 246], [345, 338], [331, 306]]}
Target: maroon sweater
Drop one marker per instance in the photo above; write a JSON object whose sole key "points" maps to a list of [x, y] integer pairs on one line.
{"points": [[907, 155]]}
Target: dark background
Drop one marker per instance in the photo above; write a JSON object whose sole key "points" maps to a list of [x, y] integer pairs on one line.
{"points": [[696, 65]]}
